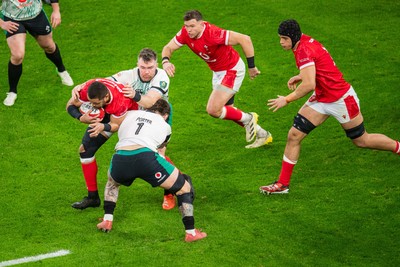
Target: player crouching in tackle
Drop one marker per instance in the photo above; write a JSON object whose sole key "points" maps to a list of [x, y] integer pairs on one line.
{"points": [[140, 134]]}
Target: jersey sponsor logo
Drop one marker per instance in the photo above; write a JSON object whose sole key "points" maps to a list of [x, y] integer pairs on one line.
{"points": [[159, 176]]}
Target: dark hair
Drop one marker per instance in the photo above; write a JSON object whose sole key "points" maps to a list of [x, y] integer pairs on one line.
{"points": [[192, 14], [147, 55], [161, 106], [97, 90], [291, 29]]}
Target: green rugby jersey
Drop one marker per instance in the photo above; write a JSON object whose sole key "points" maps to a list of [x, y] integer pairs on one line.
{"points": [[21, 9]]}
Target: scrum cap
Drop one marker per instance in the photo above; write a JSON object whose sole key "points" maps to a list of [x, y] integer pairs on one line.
{"points": [[290, 28]]}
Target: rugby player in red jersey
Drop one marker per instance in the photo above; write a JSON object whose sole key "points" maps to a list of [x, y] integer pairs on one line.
{"points": [[332, 96], [214, 46], [101, 93]]}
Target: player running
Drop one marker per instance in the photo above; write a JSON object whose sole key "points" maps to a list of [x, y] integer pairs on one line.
{"points": [[332, 96], [214, 46]]}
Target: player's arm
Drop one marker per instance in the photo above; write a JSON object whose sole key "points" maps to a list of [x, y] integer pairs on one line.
{"points": [[75, 91], [307, 77], [166, 55], [55, 18], [145, 101], [72, 108], [112, 126], [245, 42]]}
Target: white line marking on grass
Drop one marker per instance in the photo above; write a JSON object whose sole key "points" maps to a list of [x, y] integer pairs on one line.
{"points": [[35, 258]]}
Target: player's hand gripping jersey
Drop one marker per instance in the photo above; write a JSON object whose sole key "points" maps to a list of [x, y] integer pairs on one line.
{"points": [[118, 104]]}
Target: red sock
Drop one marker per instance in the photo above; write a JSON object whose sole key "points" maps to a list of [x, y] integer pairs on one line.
{"points": [[233, 114], [397, 149], [286, 172], [90, 174]]}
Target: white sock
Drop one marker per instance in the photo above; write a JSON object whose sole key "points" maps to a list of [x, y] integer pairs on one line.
{"points": [[191, 231], [246, 117], [288, 160], [108, 217], [223, 113]]}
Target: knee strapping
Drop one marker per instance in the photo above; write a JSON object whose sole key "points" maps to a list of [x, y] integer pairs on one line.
{"points": [[189, 180], [302, 124], [355, 132], [179, 183]]}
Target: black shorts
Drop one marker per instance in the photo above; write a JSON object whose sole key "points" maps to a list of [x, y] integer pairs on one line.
{"points": [[39, 25], [142, 163]]}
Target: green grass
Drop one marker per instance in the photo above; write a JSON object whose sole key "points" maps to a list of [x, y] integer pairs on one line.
{"points": [[343, 209]]}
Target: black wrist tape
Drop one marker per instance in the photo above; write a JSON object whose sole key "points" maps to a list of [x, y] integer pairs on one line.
{"points": [[250, 62], [137, 96], [107, 127], [74, 112]]}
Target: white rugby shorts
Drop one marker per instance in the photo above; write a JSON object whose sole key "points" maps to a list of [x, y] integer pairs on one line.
{"points": [[229, 79], [344, 110]]}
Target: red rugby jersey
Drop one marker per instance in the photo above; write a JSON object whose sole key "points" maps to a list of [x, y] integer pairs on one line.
{"points": [[212, 46], [118, 104], [330, 84]]}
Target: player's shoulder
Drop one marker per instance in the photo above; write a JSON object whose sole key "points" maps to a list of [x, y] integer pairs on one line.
{"points": [[162, 74]]}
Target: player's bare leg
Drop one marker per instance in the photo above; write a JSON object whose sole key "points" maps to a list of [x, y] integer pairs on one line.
{"points": [[185, 195], [292, 152], [217, 107], [52, 52], [367, 140], [111, 193]]}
